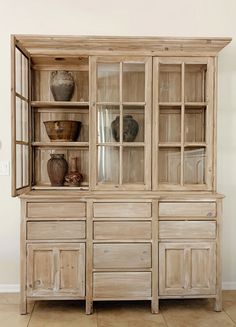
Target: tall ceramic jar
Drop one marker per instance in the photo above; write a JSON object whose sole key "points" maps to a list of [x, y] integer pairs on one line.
{"points": [[62, 85], [57, 168]]}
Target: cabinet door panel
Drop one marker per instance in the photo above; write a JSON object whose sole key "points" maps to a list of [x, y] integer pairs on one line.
{"points": [[56, 270], [187, 268]]}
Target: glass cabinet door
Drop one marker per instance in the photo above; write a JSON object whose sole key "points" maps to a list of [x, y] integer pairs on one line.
{"points": [[183, 123], [121, 118], [20, 122]]}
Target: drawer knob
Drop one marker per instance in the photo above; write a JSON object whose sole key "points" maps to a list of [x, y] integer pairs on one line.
{"points": [[209, 214]]}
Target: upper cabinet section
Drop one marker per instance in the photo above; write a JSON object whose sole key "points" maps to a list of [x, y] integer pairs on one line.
{"points": [[121, 117], [113, 113], [183, 123]]}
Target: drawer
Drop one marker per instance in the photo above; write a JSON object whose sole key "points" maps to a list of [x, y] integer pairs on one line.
{"points": [[122, 255], [56, 210], [122, 230], [187, 209], [55, 230], [187, 229], [122, 210], [122, 285]]}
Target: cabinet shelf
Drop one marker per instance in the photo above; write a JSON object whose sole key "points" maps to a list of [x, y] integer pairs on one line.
{"points": [[178, 144], [60, 144], [49, 187], [59, 104], [179, 104]]}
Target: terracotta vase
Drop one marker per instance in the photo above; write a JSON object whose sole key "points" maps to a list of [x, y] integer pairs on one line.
{"points": [[74, 178], [57, 168], [62, 85], [130, 128]]}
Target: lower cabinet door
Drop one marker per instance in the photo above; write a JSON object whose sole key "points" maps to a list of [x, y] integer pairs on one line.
{"points": [[56, 270], [187, 268]]}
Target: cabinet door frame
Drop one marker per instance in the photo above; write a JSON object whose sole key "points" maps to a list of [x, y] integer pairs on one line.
{"points": [[209, 125], [14, 95], [56, 291], [93, 122], [187, 248]]}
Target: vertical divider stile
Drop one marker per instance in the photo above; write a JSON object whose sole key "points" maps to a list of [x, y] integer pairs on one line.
{"points": [[182, 122], [121, 126]]}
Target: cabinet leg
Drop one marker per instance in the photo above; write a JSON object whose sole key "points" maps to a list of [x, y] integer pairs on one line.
{"points": [[155, 306], [23, 306], [89, 307], [218, 303]]}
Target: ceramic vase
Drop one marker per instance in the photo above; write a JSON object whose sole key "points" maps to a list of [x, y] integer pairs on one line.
{"points": [[130, 128], [62, 85], [57, 168], [74, 178]]}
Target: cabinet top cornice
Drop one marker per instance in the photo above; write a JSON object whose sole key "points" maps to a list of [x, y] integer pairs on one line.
{"points": [[120, 45]]}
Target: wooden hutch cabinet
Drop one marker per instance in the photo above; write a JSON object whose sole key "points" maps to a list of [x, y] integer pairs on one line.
{"points": [[145, 223]]}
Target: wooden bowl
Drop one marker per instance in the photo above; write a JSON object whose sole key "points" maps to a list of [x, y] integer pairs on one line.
{"points": [[63, 130]]}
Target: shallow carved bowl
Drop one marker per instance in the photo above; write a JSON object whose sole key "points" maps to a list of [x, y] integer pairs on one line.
{"points": [[63, 130]]}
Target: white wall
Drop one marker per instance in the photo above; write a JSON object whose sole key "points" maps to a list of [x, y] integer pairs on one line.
{"points": [[123, 17]]}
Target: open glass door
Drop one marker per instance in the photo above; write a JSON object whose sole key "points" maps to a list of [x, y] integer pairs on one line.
{"points": [[20, 120]]}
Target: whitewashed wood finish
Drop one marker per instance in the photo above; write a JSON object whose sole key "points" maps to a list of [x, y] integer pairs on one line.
{"points": [[122, 210], [122, 285], [187, 268], [56, 210], [122, 256], [56, 270], [120, 230], [183, 209], [56, 230], [187, 229]]}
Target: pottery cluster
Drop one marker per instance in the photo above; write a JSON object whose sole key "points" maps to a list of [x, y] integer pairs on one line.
{"points": [[57, 167]]}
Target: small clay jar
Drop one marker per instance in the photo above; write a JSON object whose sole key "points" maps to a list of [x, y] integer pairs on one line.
{"points": [[57, 168], [62, 85], [73, 178], [130, 128]]}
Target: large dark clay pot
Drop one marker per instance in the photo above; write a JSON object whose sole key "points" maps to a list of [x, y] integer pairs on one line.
{"points": [[57, 168], [130, 128], [62, 85]]}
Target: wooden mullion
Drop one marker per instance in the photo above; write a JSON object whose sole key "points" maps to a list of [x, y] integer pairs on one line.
{"points": [[182, 122], [121, 126], [155, 124]]}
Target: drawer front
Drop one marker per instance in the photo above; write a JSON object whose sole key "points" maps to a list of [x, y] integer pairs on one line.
{"points": [[57, 230], [187, 229], [187, 209], [122, 255], [56, 210], [123, 230], [122, 210], [122, 285]]}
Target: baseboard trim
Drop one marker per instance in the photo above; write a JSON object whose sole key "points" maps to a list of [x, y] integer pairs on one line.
{"points": [[227, 286], [9, 288], [15, 288]]}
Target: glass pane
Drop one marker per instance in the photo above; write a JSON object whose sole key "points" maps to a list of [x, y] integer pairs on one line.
{"points": [[195, 83], [195, 124], [19, 163], [194, 165], [133, 124], [25, 76], [18, 71], [18, 119], [108, 82], [170, 83], [134, 82], [21, 120], [169, 165], [133, 165], [108, 123], [170, 124], [25, 163], [108, 164]]}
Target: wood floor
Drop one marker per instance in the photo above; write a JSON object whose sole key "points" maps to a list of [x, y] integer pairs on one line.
{"points": [[175, 313]]}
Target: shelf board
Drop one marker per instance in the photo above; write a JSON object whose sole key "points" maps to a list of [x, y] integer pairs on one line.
{"points": [[195, 144], [195, 104], [170, 104], [179, 104], [49, 187], [60, 144], [169, 144], [126, 144], [58, 104]]}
